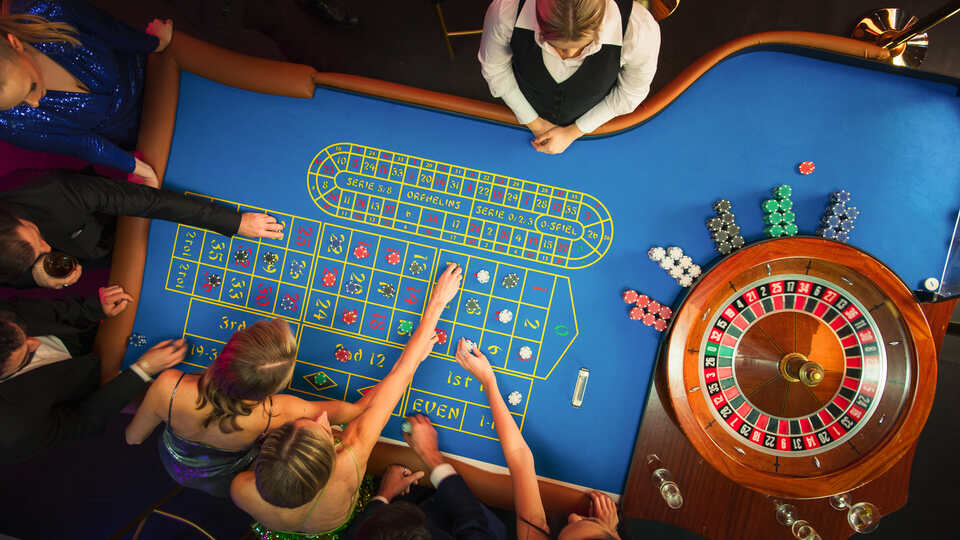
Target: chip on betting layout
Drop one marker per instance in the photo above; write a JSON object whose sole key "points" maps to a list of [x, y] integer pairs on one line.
{"points": [[387, 290], [241, 256], [526, 353], [416, 267], [214, 279], [353, 287], [405, 326], [336, 243], [510, 280], [270, 258], [482, 276], [514, 398]]}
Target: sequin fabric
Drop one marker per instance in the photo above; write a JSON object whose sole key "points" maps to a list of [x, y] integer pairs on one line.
{"points": [[99, 126]]}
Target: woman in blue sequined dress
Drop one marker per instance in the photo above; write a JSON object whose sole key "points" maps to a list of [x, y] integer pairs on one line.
{"points": [[71, 81]]}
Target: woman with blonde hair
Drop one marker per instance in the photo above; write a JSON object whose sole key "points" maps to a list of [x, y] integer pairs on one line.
{"points": [[214, 419], [566, 67], [71, 81], [308, 481]]}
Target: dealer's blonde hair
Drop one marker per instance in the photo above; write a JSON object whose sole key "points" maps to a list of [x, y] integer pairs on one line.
{"points": [[570, 20], [34, 29]]}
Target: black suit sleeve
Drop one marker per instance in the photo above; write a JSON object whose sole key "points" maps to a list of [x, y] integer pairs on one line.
{"points": [[94, 194], [462, 509], [26, 430], [61, 316]]}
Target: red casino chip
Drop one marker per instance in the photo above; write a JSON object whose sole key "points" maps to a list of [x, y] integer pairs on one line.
{"points": [[361, 252], [392, 258], [806, 167], [441, 336], [629, 296], [636, 313], [665, 312], [342, 354], [653, 307], [329, 279], [349, 316], [649, 319], [643, 300], [660, 325]]}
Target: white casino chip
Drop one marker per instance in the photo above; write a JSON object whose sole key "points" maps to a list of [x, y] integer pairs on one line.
{"points": [[514, 398], [526, 352], [674, 252], [685, 281], [694, 270], [657, 254], [685, 262], [667, 263], [483, 276], [676, 272]]}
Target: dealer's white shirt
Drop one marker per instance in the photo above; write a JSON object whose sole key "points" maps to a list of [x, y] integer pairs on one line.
{"points": [[640, 46]]}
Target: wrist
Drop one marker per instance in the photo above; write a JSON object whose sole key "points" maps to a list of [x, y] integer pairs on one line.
{"points": [[432, 459], [144, 367]]}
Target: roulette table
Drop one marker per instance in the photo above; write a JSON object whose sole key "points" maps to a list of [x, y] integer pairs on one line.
{"points": [[380, 186]]}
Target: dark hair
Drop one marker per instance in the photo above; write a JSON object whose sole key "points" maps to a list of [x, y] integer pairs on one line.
{"points": [[12, 336], [253, 365], [294, 464], [18, 255], [396, 521]]}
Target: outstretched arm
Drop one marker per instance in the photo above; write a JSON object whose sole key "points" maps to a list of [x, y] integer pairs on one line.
{"points": [[362, 434], [526, 491]]}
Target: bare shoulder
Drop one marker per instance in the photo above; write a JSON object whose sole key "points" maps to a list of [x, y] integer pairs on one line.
{"points": [[243, 490]]}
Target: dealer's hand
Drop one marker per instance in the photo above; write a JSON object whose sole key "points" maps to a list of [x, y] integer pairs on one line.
{"points": [[540, 126], [396, 481], [471, 359], [113, 300], [556, 140], [43, 279], [256, 225]]}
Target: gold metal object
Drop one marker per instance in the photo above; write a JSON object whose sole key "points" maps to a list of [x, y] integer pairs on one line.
{"points": [[886, 26], [794, 367]]}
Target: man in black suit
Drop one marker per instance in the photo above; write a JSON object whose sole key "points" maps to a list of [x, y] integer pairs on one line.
{"points": [[70, 212], [50, 392], [452, 512]]}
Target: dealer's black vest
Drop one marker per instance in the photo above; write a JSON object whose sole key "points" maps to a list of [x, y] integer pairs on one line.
{"points": [[562, 103]]}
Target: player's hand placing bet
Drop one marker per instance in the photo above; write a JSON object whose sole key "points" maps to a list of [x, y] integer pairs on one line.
{"points": [[447, 284], [397, 480], [423, 440], [163, 355], [113, 300], [471, 359], [256, 225]]}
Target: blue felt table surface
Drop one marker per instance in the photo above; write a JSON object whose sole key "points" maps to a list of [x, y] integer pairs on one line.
{"points": [[891, 141]]}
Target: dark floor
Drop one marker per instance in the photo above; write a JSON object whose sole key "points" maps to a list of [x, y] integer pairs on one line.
{"points": [[93, 489]]}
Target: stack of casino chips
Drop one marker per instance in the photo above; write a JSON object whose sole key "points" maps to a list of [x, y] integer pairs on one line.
{"points": [[723, 230], [679, 266], [650, 312], [778, 214], [837, 221]]}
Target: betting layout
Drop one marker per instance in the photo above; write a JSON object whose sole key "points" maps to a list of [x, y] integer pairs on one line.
{"points": [[824, 318], [353, 298], [438, 200]]}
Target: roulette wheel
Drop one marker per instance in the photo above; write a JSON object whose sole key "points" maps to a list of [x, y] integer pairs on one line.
{"points": [[800, 367]]}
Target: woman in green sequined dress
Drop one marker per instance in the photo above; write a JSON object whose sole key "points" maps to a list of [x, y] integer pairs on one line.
{"points": [[308, 480]]}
